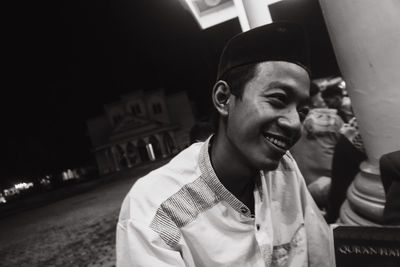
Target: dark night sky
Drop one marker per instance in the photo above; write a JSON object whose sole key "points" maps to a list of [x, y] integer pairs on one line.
{"points": [[65, 59]]}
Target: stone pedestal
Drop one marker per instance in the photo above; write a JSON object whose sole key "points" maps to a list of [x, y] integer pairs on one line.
{"points": [[365, 198]]}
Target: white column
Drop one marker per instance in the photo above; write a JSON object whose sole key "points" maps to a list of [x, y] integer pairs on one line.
{"points": [[253, 13], [150, 151], [365, 35]]}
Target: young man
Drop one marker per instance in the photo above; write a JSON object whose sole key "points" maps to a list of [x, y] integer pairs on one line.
{"points": [[237, 199], [333, 97], [315, 97]]}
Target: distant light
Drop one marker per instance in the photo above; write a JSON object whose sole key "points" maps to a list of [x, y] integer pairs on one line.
{"points": [[2, 199], [10, 191], [70, 174], [23, 186], [45, 181], [17, 188], [342, 85], [65, 176]]}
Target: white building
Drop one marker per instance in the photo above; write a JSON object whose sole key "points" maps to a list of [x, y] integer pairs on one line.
{"points": [[140, 127]]}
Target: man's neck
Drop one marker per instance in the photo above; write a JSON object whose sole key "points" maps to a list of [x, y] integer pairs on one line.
{"points": [[233, 171]]}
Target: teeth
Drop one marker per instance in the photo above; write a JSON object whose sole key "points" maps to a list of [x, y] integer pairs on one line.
{"points": [[277, 142]]}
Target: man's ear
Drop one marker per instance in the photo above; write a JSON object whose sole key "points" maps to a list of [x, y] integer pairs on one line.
{"points": [[221, 95]]}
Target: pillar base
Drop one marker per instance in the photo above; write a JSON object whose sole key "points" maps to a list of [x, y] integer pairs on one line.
{"points": [[365, 198]]}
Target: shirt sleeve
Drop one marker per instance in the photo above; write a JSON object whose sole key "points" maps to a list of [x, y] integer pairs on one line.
{"points": [[319, 234], [137, 245]]}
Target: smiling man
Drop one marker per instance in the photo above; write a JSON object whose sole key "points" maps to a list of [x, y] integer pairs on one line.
{"points": [[237, 199]]}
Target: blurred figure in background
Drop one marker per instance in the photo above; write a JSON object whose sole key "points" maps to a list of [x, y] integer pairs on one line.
{"points": [[314, 151], [333, 96], [348, 155], [389, 165], [316, 100]]}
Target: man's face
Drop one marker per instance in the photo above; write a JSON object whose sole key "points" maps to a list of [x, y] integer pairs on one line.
{"points": [[265, 122], [317, 101]]}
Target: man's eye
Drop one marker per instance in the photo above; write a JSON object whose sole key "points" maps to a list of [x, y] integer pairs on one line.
{"points": [[280, 99]]}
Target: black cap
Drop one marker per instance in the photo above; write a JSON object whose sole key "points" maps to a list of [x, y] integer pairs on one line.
{"points": [[278, 41]]}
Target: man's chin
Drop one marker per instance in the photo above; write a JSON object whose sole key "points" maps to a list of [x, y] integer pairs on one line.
{"points": [[270, 165]]}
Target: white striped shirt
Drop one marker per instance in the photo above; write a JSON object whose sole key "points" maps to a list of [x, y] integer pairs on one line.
{"points": [[181, 215]]}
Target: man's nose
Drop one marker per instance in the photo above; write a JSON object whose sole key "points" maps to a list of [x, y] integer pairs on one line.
{"points": [[290, 119]]}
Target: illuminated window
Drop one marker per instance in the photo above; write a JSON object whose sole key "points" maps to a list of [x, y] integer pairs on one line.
{"points": [[157, 108], [117, 118], [135, 109]]}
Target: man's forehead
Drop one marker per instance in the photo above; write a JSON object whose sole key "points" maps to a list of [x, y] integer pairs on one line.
{"points": [[285, 76], [282, 71]]}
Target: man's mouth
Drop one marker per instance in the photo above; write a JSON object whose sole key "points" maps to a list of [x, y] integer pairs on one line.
{"points": [[278, 141]]}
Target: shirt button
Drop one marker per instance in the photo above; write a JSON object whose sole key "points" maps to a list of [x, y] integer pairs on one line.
{"points": [[243, 209], [257, 227]]}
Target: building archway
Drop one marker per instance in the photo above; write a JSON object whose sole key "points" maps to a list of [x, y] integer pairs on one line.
{"points": [[131, 153], [122, 161], [141, 145], [156, 146], [168, 143]]}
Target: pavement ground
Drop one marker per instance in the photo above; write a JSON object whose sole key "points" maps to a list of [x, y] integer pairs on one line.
{"points": [[76, 231]]}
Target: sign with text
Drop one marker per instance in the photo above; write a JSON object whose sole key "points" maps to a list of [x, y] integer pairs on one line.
{"points": [[367, 246]]}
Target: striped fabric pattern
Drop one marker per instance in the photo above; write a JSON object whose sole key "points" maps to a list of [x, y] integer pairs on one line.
{"points": [[182, 208], [194, 198], [183, 215], [219, 189]]}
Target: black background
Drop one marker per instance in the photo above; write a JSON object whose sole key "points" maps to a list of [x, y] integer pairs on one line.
{"points": [[65, 59]]}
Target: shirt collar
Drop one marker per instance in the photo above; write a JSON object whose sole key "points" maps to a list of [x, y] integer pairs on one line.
{"points": [[214, 183]]}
